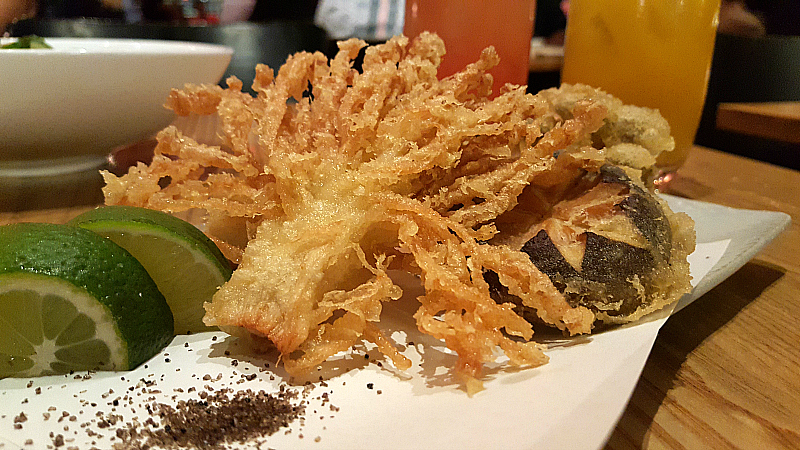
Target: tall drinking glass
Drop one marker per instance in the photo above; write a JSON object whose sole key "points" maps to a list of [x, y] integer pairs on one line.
{"points": [[654, 53], [469, 26]]}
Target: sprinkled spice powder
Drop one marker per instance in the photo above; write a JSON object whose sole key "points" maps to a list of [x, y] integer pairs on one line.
{"points": [[210, 411], [214, 420]]}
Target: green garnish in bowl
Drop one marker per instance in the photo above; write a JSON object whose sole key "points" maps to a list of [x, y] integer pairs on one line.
{"points": [[31, 41]]}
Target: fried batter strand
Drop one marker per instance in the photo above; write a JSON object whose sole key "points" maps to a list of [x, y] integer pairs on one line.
{"points": [[329, 177]]}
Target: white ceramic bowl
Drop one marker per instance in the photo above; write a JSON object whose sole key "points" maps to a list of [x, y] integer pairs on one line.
{"points": [[66, 108]]}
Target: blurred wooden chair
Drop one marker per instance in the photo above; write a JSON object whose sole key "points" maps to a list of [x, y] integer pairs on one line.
{"points": [[253, 42], [765, 69]]}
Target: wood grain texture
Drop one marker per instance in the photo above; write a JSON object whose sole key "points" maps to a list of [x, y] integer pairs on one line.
{"points": [[725, 371], [773, 120]]}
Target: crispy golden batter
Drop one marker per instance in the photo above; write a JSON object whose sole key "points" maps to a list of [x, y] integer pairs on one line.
{"points": [[330, 177]]}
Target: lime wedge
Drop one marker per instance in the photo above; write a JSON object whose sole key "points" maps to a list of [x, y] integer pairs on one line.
{"points": [[71, 300], [185, 264]]}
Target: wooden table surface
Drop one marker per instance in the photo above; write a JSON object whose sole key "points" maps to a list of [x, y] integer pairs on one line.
{"points": [[725, 370], [771, 120]]}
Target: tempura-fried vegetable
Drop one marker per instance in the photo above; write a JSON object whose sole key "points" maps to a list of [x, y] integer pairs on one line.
{"points": [[606, 244], [330, 177]]}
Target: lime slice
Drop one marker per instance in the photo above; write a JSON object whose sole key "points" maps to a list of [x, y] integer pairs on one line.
{"points": [[185, 264], [71, 300]]}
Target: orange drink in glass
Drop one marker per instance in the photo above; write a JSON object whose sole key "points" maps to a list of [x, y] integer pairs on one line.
{"points": [[469, 26], [654, 53]]}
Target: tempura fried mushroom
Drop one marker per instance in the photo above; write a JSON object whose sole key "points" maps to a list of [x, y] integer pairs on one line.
{"points": [[330, 177], [614, 253]]}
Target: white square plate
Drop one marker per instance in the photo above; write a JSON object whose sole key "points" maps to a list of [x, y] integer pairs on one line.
{"points": [[573, 402]]}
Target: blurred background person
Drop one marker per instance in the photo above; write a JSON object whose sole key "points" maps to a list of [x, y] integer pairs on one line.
{"points": [[370, 20]]}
